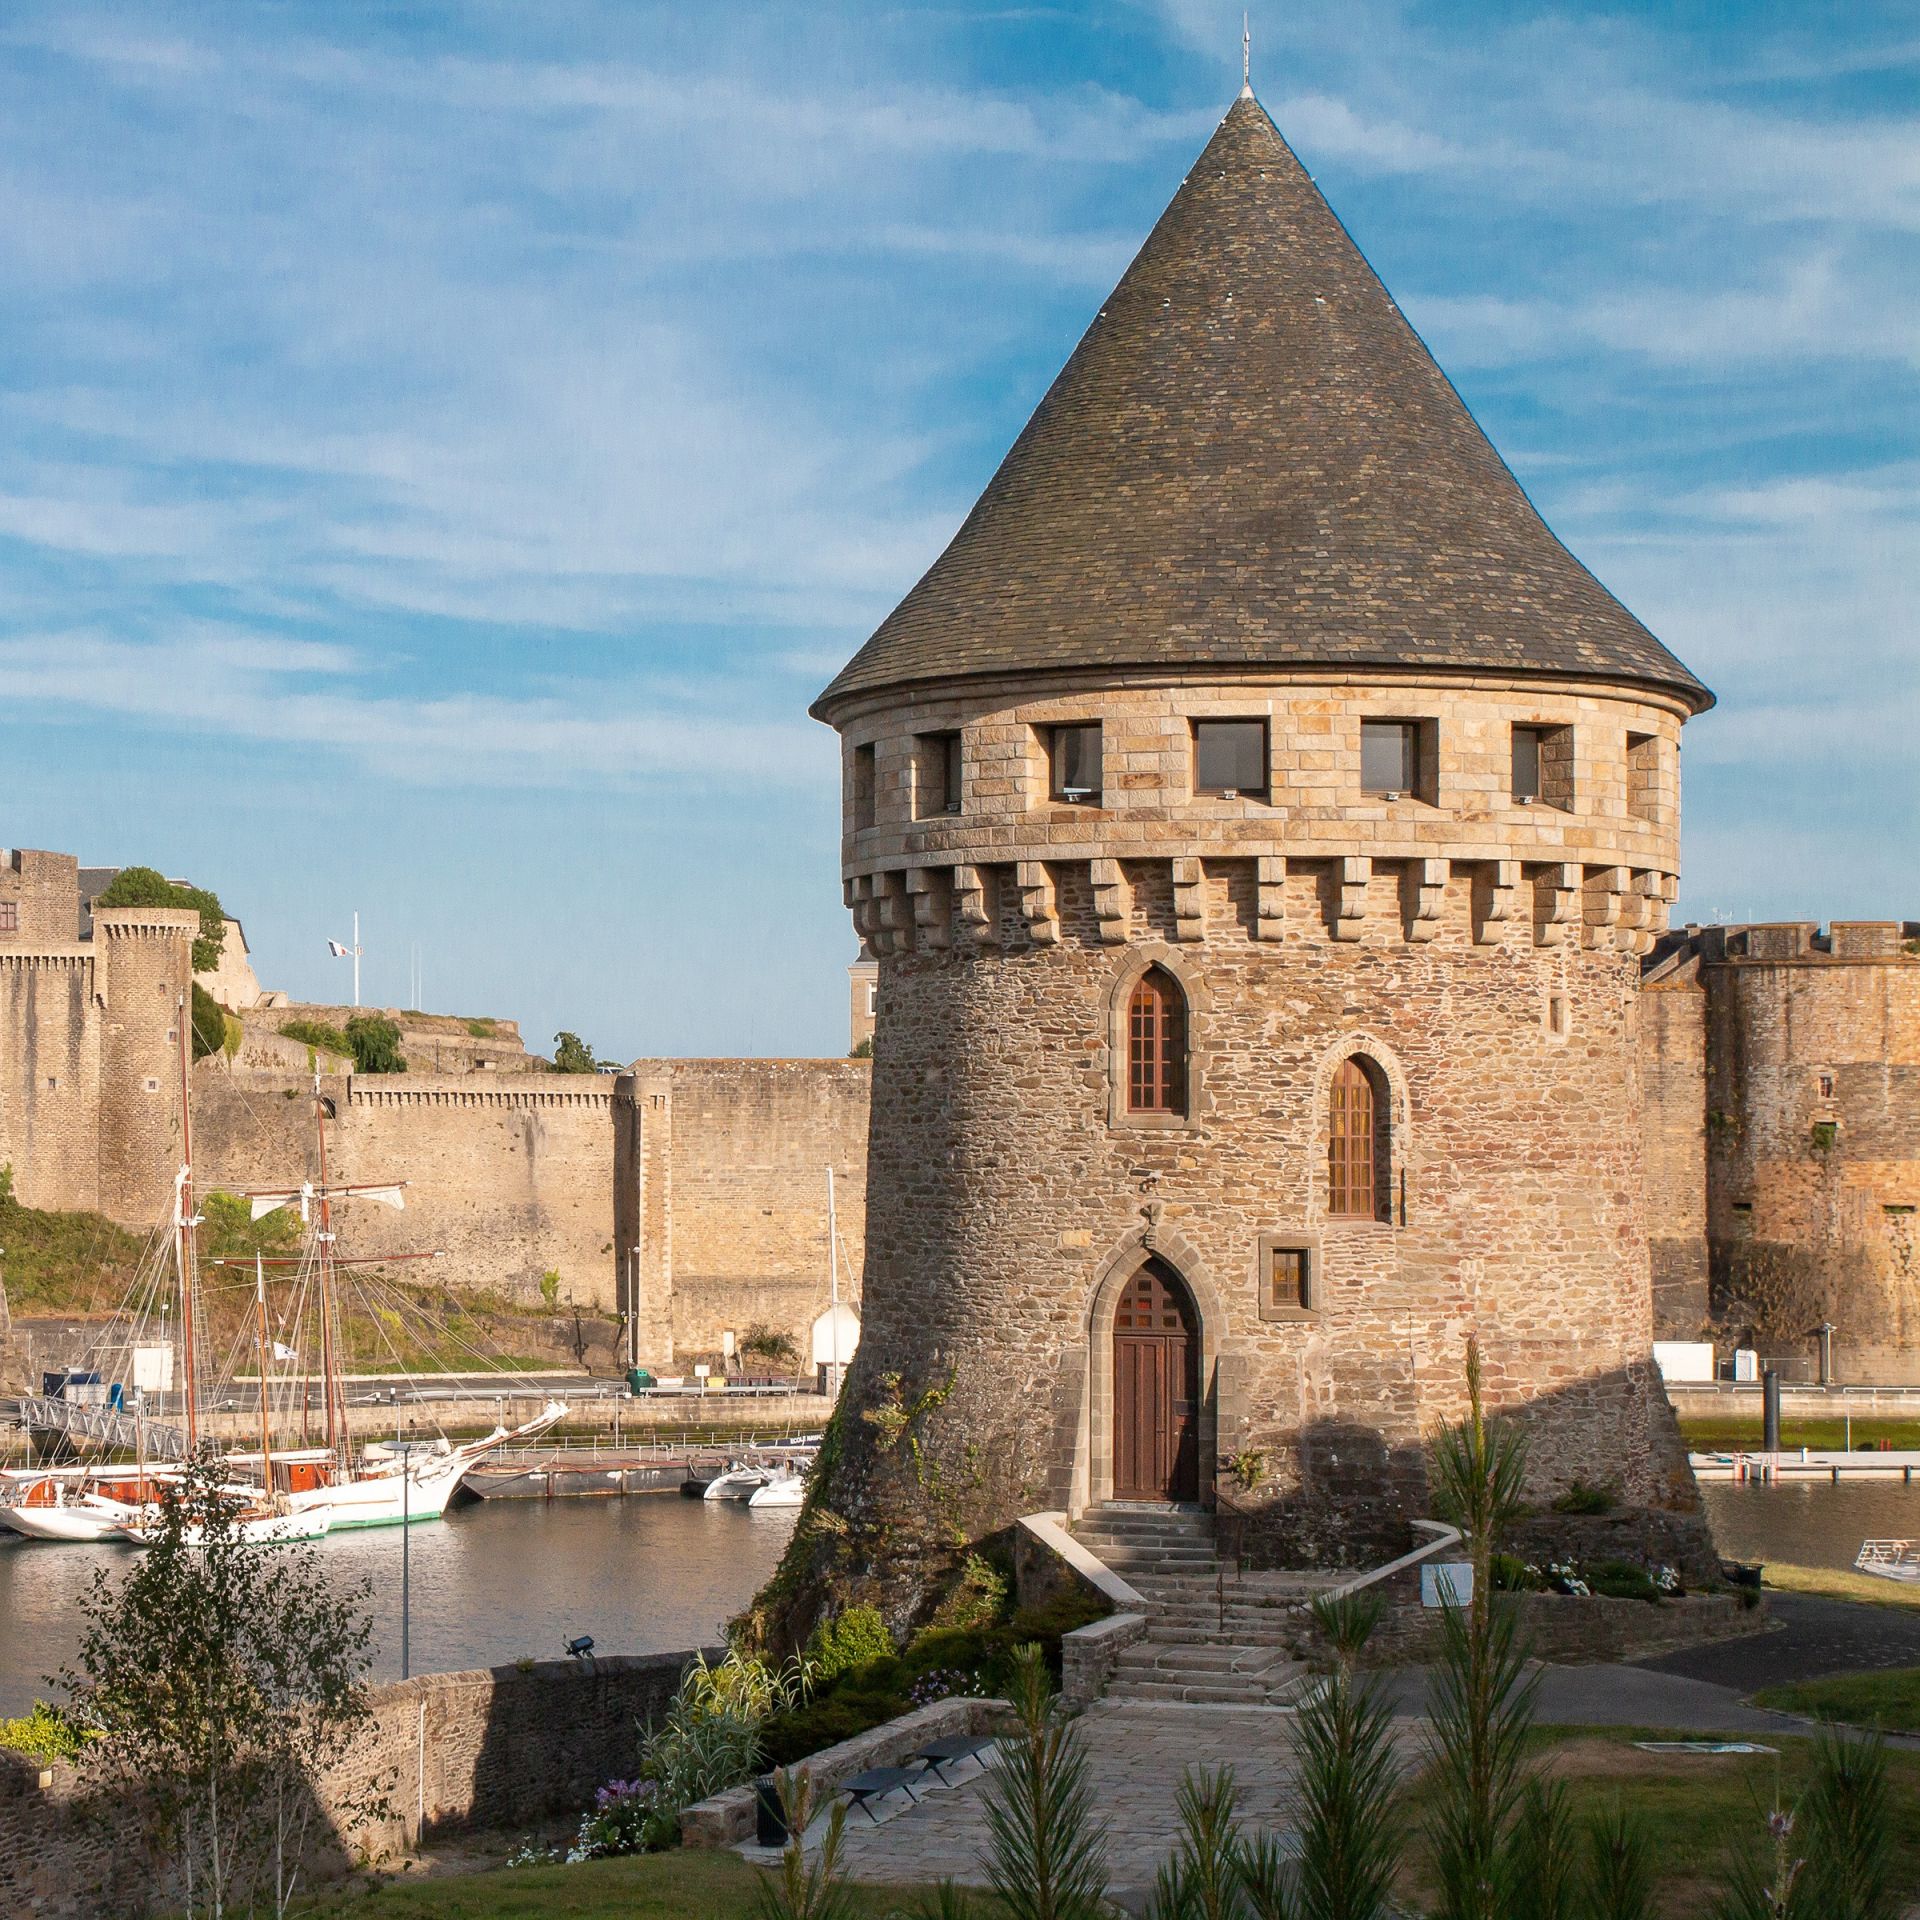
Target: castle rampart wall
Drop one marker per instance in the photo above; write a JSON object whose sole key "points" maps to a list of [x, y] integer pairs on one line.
{"points": [[1813, 1099], [1673, 1053]]}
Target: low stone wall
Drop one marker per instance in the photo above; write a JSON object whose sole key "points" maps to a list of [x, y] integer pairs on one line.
{"points": [[1571, 1631], [496, 1748], [729, 1817]]}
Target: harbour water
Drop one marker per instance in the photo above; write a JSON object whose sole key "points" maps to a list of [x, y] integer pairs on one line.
{"points": [[1810, 1523], [490, 1583]]}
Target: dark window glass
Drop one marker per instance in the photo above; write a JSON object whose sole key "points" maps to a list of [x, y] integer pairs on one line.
{"points": [[1526, 763], [1075, 753], [950, 773], [1157, 1046], [1230, 756], [1389, 756], [936, 774], [862, 788], [1289, 1280]]}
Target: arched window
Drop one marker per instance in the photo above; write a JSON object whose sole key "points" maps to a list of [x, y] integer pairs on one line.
{"points": [[1359, 1176], [1157, 1045]]}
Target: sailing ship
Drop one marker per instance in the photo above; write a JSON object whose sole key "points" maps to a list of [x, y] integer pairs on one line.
{"points": [[297, 1490]]}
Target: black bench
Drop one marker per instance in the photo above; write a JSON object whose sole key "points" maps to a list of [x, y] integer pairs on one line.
{"points": [[865, 1788], [937, 1755]]}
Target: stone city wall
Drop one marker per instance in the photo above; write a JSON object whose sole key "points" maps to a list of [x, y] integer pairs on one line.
{"points": [[504, 1748], [1813, 1121], [1673, 1056]]}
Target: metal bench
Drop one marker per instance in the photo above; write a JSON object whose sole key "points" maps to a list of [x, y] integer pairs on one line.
{"points": [[937, 1755], [865, 1788]]}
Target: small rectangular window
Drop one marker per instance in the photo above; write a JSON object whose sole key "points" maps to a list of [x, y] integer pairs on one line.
{"points": [[1390, 757], [1288, 1275], [9, 916], [1526, 764], [1230, 758], [1073, 754], [1287, 1279], [936, 776], [863, 775], [1643, 775]]}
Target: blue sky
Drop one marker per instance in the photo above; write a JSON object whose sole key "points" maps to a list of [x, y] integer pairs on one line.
{"points": [[442, 450]]}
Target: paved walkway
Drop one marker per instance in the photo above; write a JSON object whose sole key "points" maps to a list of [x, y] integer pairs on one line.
{"points": [[1815, 1636]]}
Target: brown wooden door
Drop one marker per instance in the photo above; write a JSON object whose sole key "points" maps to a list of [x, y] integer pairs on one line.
{"points": [[1155, 1366]]}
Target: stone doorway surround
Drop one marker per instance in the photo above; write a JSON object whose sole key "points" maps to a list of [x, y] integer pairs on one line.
{"points": [[1092, 1481]]}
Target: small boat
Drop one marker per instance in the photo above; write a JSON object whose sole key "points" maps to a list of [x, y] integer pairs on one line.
{"points": [[786, 1488], [1890, 1559], [737, 1483], [81, 1506], [256, 1527]]}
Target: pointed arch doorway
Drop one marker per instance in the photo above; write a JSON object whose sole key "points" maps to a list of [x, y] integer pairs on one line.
{"points": [[1156, 1397]]}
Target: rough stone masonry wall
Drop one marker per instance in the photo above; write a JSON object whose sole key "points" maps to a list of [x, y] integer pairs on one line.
{"points": [[511, 1180], [1814, 1140], [1673, 1070], [50, 1076], [503, 1748]]}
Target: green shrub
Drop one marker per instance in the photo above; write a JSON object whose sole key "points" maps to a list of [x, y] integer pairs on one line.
{"points": [[550, 1288], [375, 1041], [764, 1343], [851, 1639], [45, 1735], [143, 887], [1582, 1498], [316, 1033], [571, 1054], [209, 1023], [1512, 1575], [790, 1737], [977, 1598], [1622, 1580], [481, 1029]]}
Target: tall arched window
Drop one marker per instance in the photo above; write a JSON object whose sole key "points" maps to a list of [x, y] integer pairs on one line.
{"points": [[1157, 1045], [1359, 1177]]}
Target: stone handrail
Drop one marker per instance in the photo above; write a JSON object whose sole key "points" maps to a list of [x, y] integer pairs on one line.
{"points": [[1444, 1536], [1089, 1654]]}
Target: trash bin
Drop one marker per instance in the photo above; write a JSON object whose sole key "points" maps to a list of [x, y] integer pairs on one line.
{"points": [[769, 1819], [638, 1379]]}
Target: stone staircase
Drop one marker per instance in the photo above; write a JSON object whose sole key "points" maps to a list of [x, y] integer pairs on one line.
{"points": [[1215, 1636]]}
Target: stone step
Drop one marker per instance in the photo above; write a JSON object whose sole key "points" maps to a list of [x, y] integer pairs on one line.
{"points": [[1242, 1691], [1145, 1537], [1239, 1633], [1154, 1660]]}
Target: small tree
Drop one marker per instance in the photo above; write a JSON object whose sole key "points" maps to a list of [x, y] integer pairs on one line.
{"points": [[375, 1041], [1482, 1709], [216, 1682], [571, 1054], [209, 1023], [144, 887], [1047, 1850]]}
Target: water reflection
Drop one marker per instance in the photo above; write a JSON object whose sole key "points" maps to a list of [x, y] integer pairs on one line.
{"points": [[1810, 1523], [491, 1583]]}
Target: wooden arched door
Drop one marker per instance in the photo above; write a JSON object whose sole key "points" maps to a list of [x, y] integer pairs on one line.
{"points": [[1156, 1370]]}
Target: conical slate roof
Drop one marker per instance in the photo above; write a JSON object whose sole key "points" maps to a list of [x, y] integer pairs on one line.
{"points": [[1250, 460]]}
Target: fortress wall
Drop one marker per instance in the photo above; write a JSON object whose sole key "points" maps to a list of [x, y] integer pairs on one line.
{"points": [[1814, 1141], [143, 958], [511, 1179], [751, 1141], [1673, 1048], [50, 1077]]}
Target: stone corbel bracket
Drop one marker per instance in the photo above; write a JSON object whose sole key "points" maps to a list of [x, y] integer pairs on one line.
{"points": [[1270, 897], [1112, 904], [1423, 886], [1038, 906], [895, 912], [1496, 888], [1189, 899], [976, 905], [1351, 875], [1556, 904]]}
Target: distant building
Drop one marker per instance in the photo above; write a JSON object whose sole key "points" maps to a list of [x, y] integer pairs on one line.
{"points": [[863, 995]]}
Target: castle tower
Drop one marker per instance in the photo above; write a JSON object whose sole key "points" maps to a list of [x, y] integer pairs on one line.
{"points": [[1257, 816], [143, 974]]}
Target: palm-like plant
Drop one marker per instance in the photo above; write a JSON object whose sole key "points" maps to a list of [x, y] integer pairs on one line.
{"points": [[1619, 1867], [1046, 1856], [799, 1891], [1848, 1812], [1205, 1879], [1482, 1700], [1350, 1845]]}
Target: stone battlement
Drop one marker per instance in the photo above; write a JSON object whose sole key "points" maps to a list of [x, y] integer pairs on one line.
{"points": [[1271, 897]]}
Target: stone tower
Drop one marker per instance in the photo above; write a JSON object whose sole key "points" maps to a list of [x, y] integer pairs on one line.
{"points": [[1257, 816]]}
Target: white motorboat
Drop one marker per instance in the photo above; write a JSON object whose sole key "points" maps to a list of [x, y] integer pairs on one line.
{"points": [[787, 1488], [737, 1483], [1890, 1559]]}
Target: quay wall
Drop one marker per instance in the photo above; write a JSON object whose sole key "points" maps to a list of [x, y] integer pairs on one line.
{"points": [[502, 1747]]}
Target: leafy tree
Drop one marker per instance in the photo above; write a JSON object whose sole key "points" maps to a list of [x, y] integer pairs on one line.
{"points": [[571, 1054], [144, 887], [230, 1231], [861, 1049], [376, 1043], [214, 1684], [209, 1023]]}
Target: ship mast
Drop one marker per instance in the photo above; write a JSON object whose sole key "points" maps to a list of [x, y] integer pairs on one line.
{"points": [[183, 1224], [331, 1383], [260, 1338]]}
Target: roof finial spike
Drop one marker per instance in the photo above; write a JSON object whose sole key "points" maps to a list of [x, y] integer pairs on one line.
{"points": [[1246, 56]]}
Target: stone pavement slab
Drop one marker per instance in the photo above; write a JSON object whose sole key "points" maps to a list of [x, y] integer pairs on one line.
{"points": [[1620, 1696]]}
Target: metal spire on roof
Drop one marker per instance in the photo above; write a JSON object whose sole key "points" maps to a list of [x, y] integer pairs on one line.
{"points": [[1246, 57]]}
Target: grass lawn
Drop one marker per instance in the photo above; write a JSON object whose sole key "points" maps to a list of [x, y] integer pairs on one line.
{"points": [[1889, 1698], [1696, 1806], [655, 1886], [1836, 1583], [1732, 1434]]}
